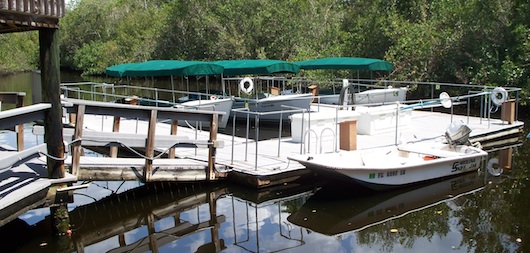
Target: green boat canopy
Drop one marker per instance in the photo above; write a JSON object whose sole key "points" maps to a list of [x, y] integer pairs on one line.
{"points": [[165, 68], [118, 70], [258, 67], [346, 63]]}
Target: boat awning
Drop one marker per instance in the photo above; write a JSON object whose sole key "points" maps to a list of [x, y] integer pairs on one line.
{"points": [[257, 67], [165, 68], [118, 70], [354, 63]]}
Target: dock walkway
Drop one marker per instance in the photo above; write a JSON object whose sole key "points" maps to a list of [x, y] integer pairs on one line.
{"points": [[265, 163]]}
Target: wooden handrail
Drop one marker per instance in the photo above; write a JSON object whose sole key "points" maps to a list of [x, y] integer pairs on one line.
{"points": [[149, 113]]}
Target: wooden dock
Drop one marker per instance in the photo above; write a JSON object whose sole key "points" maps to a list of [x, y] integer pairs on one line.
{"points": [[264, 163], [189, 154], [24, 181]]}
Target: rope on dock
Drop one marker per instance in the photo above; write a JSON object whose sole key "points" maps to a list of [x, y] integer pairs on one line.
{"points": [[121, 144]]}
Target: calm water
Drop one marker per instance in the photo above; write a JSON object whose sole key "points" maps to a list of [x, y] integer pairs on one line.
{"points": [[484, 211]]}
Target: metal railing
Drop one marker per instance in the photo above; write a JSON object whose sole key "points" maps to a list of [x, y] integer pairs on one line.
{"points": [[257, 115], [470, 94]]}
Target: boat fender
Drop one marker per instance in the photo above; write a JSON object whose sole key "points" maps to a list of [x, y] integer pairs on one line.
{"points": [[494, 167], [499, 96], [250, 87], [213, 97]]}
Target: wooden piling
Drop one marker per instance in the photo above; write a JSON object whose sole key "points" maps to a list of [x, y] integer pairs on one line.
{"points": [[50, 80], [20, 128], [210, 175], [77, 149], [174, 126], [115, 128], [150, 146], [53, 134]]}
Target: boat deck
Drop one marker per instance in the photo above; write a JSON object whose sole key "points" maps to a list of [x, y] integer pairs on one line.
{"points": [[265, 163]]}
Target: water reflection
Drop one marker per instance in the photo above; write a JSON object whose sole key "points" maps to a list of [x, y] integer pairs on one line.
{"points": [[472, 212], [368, 209]]}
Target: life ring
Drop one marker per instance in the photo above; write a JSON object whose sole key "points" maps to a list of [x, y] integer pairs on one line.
{"points": [[494, 168], [250, 87], [213, 97], [499, 96]]}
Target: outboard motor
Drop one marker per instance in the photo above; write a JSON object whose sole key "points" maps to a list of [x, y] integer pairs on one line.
{"points": [[457, 133]]}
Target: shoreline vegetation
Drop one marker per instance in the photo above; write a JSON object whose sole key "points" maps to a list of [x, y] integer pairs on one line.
{"points": [[476, 42]]}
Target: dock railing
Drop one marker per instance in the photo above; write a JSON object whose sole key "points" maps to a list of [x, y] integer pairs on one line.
{"points": [[256, 118], [152, 114], [420, 90], [108, 92], [16, 98]]}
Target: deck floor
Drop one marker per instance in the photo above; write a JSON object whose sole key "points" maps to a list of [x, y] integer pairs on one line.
{"points": [[24, 187], [240, 156]]}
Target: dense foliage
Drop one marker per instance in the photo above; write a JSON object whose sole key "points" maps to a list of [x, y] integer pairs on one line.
{"points": [[463, 41], [18, 52]]}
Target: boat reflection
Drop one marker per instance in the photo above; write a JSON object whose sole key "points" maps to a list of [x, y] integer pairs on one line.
{"points": [[356, 213]]}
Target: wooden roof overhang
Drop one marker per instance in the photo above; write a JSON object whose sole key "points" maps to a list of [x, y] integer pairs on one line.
{"points": [[25, 15]]}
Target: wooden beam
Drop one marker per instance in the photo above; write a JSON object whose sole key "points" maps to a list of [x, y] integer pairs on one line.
{"points": [[20, 127], [212, 149], [150, 146], [22, 115], [174, 126], [77, 150], [115, 128], [51, 91]]}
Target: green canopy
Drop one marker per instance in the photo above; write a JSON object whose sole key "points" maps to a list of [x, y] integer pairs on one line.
{"points": [[118, 70], [347, 63], [165, 68], [258, 67]]}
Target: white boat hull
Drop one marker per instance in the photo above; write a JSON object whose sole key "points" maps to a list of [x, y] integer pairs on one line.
{"points": [[396, 166], [222, 105], [274, 104], [375, 96]]}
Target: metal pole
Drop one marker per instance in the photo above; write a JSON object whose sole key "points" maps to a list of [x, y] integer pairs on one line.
{"points": [[280, 133], [246, 137], [257, 141], [233, 135], [397, 123]]}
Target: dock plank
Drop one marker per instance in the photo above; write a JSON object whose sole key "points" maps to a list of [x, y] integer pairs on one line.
{"points": [[21, 189]]}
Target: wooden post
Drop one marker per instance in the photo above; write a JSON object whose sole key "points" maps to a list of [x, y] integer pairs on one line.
{"points": [[212, 149], [150, 145], [53, 125], [115, 128], [215, 226], [151, 231], [174, 126], [20, 128], [77, 149], [51, 93]]}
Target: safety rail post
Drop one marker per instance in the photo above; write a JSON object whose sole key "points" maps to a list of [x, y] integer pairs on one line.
{"points": [[150, 146], [76, 145]]}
